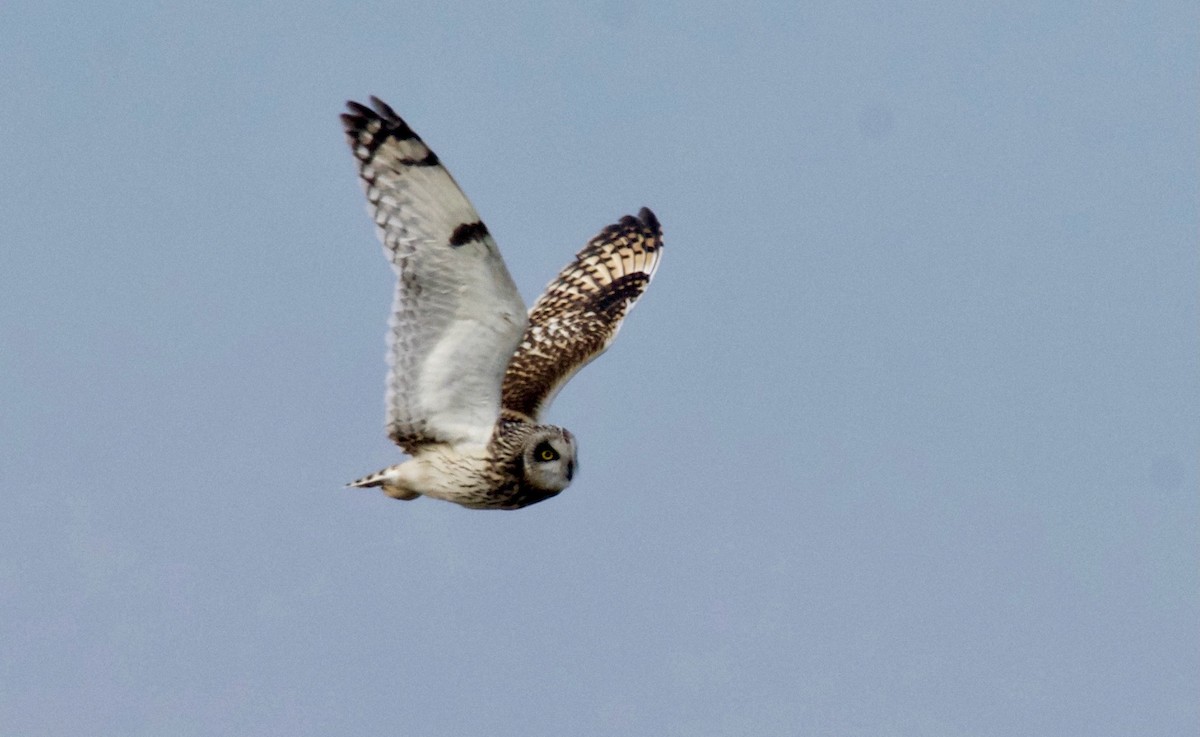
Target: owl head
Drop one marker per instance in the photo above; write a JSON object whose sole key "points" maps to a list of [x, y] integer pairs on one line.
{"points": [[550, 459]]}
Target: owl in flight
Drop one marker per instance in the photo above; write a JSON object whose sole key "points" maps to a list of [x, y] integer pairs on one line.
{"points": [[470, 372]]}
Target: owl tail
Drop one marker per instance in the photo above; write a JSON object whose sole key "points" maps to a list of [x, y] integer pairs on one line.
{"points": [[388, 480]]}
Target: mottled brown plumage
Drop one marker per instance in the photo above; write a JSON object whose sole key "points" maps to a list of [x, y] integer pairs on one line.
{"points": [[578, 316]]}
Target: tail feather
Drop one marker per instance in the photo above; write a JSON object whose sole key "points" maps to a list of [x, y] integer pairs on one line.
{"points": [[370, 480], [385, 479]]}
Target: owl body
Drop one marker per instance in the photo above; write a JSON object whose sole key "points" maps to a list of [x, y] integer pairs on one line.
{"points": [[471, 372], [523, 464]]}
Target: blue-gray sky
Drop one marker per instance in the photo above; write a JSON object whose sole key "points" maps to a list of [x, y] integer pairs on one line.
{"points": [[903, 440]]}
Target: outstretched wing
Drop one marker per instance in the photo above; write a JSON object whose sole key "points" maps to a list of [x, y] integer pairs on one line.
{"points": [[578, 316], [457, 315]]}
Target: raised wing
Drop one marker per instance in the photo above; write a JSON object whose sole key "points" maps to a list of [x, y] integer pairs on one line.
{"points": [[457, 315], [579, 315]]}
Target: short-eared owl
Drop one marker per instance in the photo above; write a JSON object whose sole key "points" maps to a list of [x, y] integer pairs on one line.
{"points": [[470, 372]]}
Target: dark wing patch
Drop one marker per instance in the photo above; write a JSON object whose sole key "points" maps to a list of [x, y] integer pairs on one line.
{"points": [[468, 232]]}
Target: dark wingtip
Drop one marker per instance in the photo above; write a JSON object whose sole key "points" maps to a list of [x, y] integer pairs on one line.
{"points": [[651, 221], [385, 110], [360, 114], [357, 116], [645, 221]]}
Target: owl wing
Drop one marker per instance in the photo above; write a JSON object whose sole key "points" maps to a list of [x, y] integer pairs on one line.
{"points": [[578, 316], [457, 316]]}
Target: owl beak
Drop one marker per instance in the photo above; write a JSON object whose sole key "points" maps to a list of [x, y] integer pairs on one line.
{"points": [[570, 470]]}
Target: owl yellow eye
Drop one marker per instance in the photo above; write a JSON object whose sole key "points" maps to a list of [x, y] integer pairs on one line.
{"points": [[548, 454]]}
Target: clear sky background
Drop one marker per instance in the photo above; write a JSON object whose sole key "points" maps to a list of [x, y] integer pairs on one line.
{"points": [[903, 440]]}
